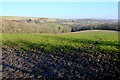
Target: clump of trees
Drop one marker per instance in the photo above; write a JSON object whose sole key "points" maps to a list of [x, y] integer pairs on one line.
{"points": [[103, 26], [9, 26]]}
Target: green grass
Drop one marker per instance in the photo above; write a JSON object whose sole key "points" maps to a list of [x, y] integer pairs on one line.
{"points": [[66, 43]]}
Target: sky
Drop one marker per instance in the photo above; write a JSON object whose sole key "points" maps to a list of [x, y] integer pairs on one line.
{"points": [[59, 0], [67, 10]]}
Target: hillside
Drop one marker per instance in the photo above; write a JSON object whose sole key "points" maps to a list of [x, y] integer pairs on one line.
{"points": [[87, 55], [62, 21], [29, 53], [14, 24]]}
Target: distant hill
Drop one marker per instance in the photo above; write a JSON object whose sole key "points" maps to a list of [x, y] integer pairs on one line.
{"points": [[83, 21], [16, 24]]}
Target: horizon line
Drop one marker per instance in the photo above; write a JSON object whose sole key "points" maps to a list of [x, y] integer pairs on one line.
{"points": [[55, 17]]}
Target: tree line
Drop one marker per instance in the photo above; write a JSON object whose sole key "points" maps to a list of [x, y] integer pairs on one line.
{"points": [[103, 26], [9, 26]]}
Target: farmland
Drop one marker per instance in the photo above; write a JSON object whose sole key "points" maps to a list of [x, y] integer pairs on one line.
{"points": [[77, 55]]}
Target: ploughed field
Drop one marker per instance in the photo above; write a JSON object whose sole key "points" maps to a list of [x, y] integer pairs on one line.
{"points": [[71, 56]]}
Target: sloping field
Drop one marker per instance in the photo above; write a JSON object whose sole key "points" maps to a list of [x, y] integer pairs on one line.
{"points": [[84, 55]]}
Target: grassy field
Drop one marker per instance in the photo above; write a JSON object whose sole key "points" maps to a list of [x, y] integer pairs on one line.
{"points": [[80, 55], [105, 40]]}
